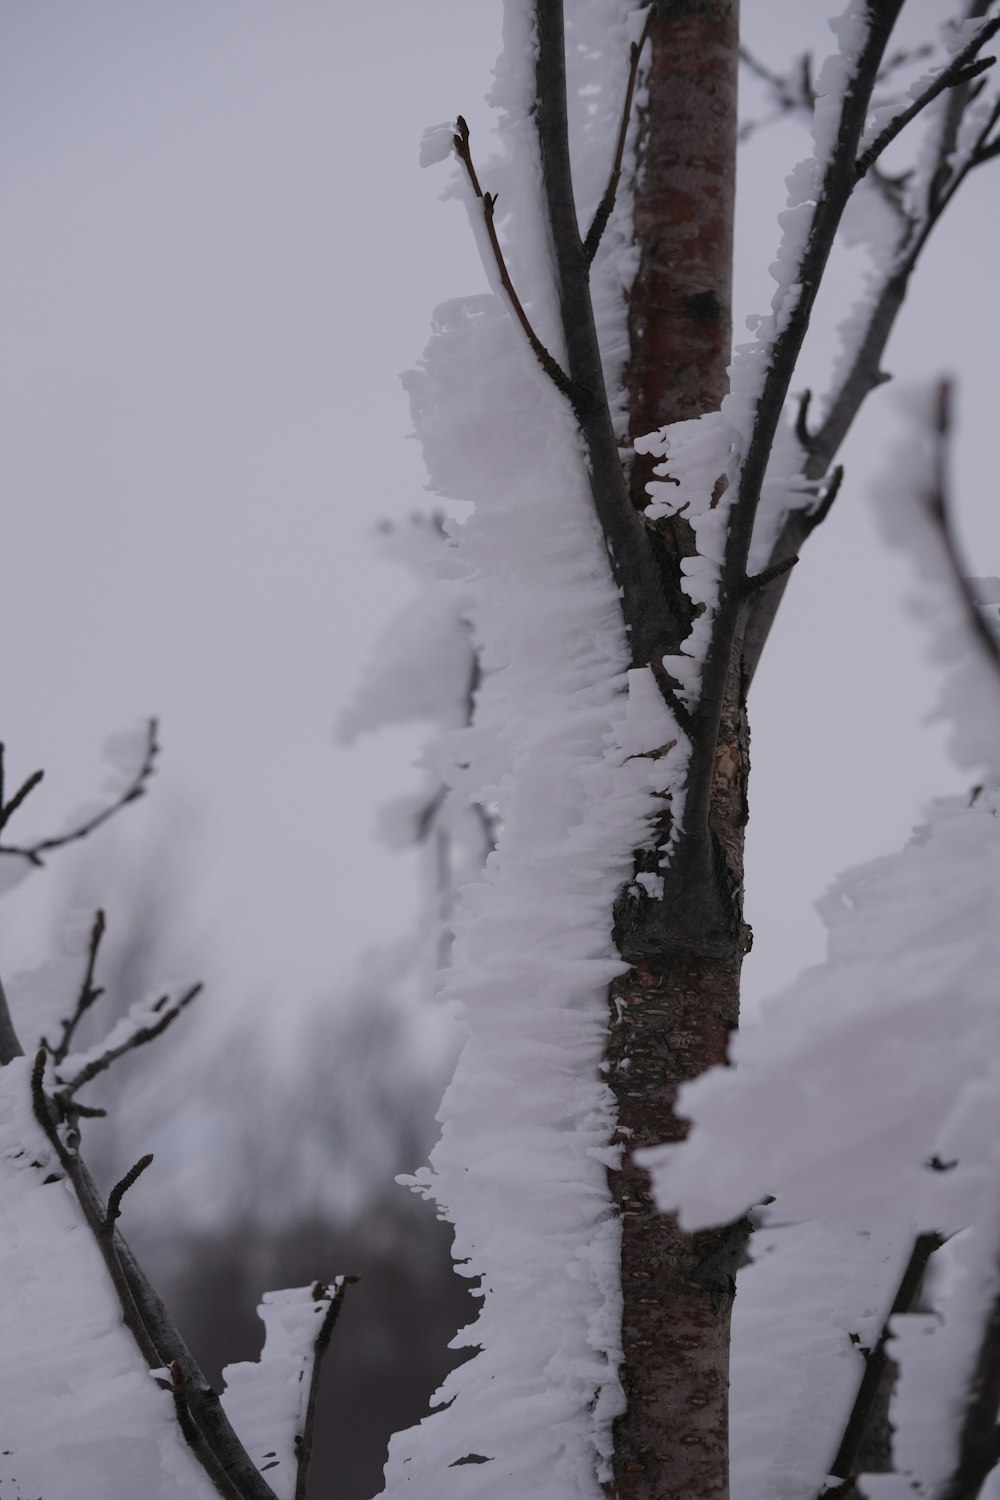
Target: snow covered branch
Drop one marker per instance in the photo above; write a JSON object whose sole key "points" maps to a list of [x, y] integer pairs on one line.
{"points": [[602, 213], [273, 1401], [134, 788], [962, 69], [916, 211], [552, 368], [143, 1023]]}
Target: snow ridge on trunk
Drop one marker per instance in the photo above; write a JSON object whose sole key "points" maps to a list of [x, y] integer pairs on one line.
{"points": [[561, 748]]}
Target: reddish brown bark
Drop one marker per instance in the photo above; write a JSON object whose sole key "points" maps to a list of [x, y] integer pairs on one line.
{"points": [[672, 1014], [680, 320]]}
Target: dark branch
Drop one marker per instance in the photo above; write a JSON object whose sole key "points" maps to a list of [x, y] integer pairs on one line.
{"points": [[814, 518], [138, 1038], [836, 188], [552, 368], [194, 1437], [121, 1187], [89, 992], [135, 789], [607, 203], [802, 421], [757, 582], [304, 1440], [962, 69], [645, 609], [218, 1449], [668, 692], [8, 811], [865, 373]]}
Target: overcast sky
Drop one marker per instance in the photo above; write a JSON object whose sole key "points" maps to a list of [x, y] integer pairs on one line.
{"points": [[219, 253]]}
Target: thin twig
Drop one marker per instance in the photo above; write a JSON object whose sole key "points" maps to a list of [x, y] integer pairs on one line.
{"points": [[607, 203], [802, 421], [756, 582], [24, 791], [89, 992], [814, 518], [552, 368], [137, 1039], [135, 789], [963, 67], [304, 1439]]}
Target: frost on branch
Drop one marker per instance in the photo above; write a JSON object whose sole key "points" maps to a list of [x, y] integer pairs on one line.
{"points": [[81, 1414], [866, 1100], [569, 757]]}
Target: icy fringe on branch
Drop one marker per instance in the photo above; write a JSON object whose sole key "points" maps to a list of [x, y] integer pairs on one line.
{"points": [[559, 751], [696, 453], [866, 1099], [88, 1404]]}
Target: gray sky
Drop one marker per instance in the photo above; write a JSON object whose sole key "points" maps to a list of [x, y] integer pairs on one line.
{"points": [[218, 254]]}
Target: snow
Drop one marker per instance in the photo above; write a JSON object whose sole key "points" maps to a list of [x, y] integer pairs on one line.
{"points": [[81, 1414], [882, 1061], [436, 143], [568, 746], [266, 1400]]}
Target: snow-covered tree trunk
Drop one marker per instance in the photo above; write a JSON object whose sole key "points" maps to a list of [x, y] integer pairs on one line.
{"points": [[671, 1015]]}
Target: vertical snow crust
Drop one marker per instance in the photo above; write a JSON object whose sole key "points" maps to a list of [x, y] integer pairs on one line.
{"points": [[560, 749]]}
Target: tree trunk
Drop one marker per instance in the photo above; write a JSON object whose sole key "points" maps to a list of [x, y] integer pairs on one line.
{"points": [[672, 1014]]}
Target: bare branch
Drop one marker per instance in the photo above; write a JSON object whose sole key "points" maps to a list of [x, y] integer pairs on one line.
{"points": [[135, 789], [962, 69], [137, 1038], [607, 203], [89, 992], [552, 368], [802, 421]]}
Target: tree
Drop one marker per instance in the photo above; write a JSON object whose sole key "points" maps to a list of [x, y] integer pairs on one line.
{"points": [[697, 577], [617, 621]]}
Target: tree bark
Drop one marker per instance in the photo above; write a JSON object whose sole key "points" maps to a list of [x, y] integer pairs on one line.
{"points": [[672, 1014]]}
